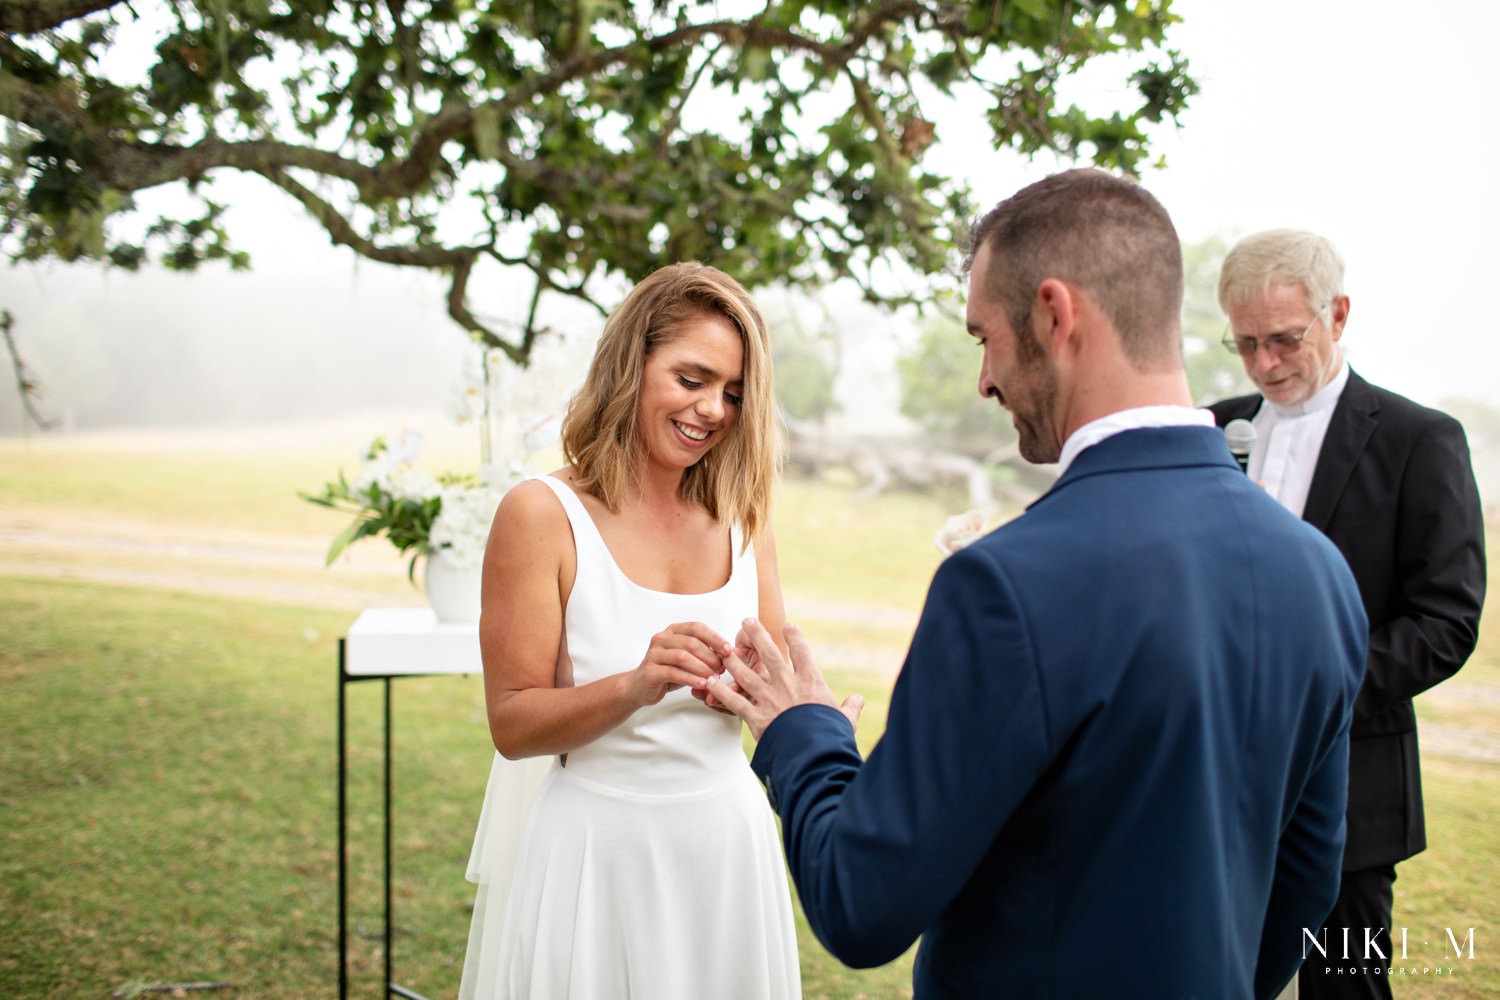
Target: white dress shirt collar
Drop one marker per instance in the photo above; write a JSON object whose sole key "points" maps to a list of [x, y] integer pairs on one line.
{"points": [[1288, 441], [1120, 421]]}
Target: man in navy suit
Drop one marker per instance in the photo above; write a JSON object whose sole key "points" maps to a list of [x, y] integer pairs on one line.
{"points": [[1389, 482], [1116, 755]]}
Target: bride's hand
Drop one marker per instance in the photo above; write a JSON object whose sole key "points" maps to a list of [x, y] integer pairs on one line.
{"points": [[681, 655], [748, 655]]}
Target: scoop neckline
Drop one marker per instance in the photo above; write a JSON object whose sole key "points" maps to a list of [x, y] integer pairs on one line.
{"points": [[609, 554]]}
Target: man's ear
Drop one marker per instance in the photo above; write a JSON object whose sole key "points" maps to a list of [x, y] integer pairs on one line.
{"points": [[1054, 315], [1338, 315]]}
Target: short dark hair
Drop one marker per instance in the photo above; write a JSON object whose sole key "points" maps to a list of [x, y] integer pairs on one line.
{"points": [[1104, 234]]}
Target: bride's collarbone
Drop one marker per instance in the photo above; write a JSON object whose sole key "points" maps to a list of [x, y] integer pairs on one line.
{"points": [[687, 555]]}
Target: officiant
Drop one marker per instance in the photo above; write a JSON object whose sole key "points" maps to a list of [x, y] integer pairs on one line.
{"points": [[1391, 484]]}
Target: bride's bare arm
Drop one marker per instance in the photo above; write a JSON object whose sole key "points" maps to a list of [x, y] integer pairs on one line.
{"points": [[529, 567], [772, 612], [769, 610]]}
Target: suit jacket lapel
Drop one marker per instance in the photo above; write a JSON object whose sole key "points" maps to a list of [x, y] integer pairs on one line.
{"points": [[1355, 418]]}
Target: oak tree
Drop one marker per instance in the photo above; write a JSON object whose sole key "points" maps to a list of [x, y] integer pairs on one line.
{"points": [[781, 140]]}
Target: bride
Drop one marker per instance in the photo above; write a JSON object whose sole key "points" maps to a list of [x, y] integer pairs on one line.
{"points": [[609, 587]]}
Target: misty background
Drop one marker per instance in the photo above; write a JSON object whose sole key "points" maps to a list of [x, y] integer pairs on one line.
{"points": [[1356, 120]]}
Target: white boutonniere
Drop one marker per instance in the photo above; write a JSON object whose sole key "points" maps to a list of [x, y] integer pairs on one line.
{"points": [[959, 531]]}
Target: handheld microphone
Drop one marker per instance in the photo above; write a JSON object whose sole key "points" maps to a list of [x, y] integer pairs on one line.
{"points": [[1239, 435]]}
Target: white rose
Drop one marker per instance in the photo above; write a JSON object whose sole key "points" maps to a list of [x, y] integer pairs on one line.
{"points": [[959, 531], [542, 433]]}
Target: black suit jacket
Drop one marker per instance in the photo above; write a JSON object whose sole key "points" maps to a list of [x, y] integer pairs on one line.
{"points": [[1394, 490]]}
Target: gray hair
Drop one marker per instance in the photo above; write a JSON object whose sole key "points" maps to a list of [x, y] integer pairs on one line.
{"points": [[1281, 256]]}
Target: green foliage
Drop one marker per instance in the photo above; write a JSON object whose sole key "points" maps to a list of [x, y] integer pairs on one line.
{"points": [[394, 498], [407, 522], [1213, 373], [938, 377], [804, 372], [939, 390], [574, 139]]}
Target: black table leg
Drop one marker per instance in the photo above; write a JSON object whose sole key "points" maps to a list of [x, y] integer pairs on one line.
{"points": [[343, 837], [388, 916]]}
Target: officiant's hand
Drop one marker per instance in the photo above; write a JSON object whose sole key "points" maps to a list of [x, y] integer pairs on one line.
{"points": [[775, 684]]}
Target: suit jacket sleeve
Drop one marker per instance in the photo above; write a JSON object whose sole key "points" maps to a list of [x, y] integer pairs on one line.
{"points": [[1306, 878], [1432, 622], [879, 849]]}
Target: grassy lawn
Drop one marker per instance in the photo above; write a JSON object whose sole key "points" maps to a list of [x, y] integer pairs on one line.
{"points": [[169, 802], [167, 776]]}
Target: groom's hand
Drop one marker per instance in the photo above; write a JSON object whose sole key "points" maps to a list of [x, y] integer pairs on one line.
{"points": [[774, 684]]}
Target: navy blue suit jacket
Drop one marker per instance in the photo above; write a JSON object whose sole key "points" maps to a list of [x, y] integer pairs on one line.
{"points": [[1116, 756]]}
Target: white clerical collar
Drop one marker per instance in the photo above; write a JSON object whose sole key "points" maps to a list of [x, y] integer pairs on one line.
{"points": [[1325, 398], [1132, 419]]}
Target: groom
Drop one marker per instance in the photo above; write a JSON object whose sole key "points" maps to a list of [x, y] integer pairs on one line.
{"points": [[1116, 756]]}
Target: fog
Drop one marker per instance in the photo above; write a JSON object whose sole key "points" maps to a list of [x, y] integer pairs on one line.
{"points": [[112, 349], [1349, 118], [313, 332]]}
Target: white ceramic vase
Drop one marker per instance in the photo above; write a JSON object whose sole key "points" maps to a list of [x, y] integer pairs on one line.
{"points": [[452, 591]]}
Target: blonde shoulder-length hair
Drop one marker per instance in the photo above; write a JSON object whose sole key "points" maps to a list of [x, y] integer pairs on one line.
{"points": [[735, 478]]}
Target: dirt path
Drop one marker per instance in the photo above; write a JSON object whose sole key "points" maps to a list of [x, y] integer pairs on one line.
{"points": [[289, 569]]}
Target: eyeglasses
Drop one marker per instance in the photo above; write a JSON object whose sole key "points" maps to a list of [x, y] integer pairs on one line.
{"points": [[1278, 345]]}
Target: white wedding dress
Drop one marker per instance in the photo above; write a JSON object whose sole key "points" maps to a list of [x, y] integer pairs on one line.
{"points": [[647, 864]]}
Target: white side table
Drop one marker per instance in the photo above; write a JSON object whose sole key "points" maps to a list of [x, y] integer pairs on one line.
{"points": [[384, 644]]}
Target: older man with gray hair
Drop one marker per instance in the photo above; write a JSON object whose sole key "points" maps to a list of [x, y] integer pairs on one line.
{"points": [[1389, 482]]}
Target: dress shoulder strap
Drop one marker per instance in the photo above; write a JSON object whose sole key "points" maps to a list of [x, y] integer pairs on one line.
{"points": [[585, 531], [564, 492]]}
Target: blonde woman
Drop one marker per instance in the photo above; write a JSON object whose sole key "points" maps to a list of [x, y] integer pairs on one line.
{"points": [[610, 587]]}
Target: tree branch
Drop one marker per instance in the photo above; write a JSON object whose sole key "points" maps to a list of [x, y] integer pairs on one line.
{"points": [[127, 165], [529, 335], [132, 166], [343, 232], [27, 17], [877, 19], [458, 262], [26, 386], [453, 121]]}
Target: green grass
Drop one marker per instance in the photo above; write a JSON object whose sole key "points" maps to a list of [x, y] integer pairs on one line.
{"points": [[168, 792], [169, 803], [167, 766], [192, 488], [833, 545], [1455, 883], [207, 481]]}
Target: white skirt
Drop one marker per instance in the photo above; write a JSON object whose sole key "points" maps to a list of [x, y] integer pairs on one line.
{"points": [[615, 894]]}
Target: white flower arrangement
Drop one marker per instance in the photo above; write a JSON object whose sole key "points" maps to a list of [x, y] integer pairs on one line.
{"points": [[462, 526], [416, 512], [450, 513]]}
